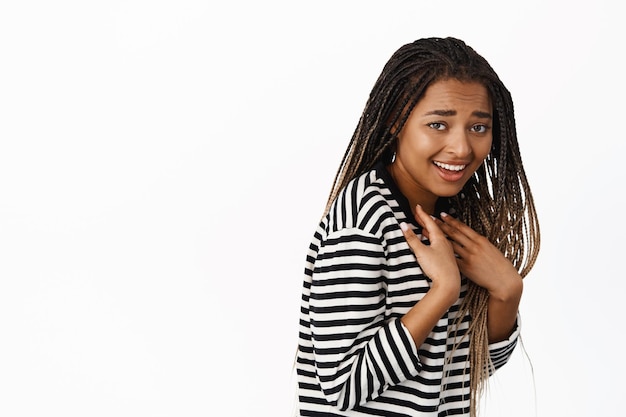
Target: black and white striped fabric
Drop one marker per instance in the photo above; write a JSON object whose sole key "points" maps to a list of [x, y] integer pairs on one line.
{"points": [[355, 357]]}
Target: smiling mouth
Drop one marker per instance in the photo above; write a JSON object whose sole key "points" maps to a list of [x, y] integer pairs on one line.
{"points": [[449, 167]]}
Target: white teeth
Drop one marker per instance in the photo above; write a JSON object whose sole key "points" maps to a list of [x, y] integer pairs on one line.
{"points": [[450, 167]]}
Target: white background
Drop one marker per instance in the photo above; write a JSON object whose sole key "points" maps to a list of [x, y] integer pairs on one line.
{"points": [[163, 165]]}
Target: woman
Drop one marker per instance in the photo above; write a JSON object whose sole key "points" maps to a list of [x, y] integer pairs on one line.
{"points": [[414, 275]]}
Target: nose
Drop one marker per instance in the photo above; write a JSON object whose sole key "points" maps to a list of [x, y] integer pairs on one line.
{"points": [[459, 143]]}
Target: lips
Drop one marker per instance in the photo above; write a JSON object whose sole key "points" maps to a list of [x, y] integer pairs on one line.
{"points": [[451, 173], [450, 167]]}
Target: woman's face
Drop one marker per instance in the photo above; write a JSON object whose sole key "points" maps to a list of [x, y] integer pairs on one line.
{"points": [[445, 139]]}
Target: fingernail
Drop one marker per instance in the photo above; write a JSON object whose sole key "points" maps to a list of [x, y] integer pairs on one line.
{"points": [[404, 226], [444, 214]]}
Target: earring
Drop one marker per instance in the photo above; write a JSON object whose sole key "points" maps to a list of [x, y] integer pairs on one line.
{"points": [[393, 157]]}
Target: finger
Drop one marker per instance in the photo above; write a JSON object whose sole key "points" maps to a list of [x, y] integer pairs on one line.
{"points": [[460, 251], [456, 230], [446, 228], [454, 222], [428, 223], [417, 218], [410, 237]]}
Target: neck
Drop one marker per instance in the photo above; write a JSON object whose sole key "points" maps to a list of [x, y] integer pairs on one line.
{"points": [[411, 190]]}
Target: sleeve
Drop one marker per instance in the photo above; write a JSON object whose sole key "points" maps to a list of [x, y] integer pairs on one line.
{"points": [[357, 353], [500, 352]]}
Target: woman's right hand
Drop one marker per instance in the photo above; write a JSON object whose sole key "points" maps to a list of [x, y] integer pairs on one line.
{"points": [[436, 260]]}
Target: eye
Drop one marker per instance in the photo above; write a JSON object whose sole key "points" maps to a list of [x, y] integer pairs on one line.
{"points": [[437, 125], [479, 128]]}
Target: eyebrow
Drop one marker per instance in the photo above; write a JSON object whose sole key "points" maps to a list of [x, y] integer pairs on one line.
{"points": [[477, 113]]}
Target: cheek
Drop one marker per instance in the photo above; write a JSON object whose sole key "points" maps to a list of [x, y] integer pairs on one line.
{"points": [[409, 146], [482, 149]]}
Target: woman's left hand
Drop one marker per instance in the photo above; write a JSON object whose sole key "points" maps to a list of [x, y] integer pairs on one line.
{"points": [[478, 259]]}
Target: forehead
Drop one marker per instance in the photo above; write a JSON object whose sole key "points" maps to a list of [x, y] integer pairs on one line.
{"points": [[450, 94]]}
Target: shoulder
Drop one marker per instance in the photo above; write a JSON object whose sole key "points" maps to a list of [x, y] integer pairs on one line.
{"points": [[362, 204]]}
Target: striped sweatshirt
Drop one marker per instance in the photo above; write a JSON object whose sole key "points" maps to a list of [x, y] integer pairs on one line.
{"points": [[355, 357]]}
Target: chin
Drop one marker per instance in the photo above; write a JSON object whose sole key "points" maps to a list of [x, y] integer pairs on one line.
{"points": [[448, 191]]}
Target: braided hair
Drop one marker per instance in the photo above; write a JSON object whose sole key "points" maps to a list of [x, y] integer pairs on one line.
{"points": [[496, 202]]}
